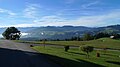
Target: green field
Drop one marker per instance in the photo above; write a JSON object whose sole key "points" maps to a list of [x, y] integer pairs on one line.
{"points": [[76, 58], [99, 43]]}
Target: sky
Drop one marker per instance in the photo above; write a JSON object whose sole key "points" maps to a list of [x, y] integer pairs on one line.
{"points": [[35, 13]]}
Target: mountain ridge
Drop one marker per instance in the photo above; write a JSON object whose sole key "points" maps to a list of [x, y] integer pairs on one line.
{"points": [[64, 32]]}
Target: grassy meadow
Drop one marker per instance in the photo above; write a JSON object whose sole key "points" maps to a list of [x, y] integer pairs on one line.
{"points": [[99, 43], [76, 58]]}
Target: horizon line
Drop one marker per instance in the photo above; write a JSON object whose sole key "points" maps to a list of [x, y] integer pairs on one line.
{"points": [[60, 26]]}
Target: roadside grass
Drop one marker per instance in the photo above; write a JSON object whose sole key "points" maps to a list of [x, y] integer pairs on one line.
{"points": [[99, 43], [76, 58]]}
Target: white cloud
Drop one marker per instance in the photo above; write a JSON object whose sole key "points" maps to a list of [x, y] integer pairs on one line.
{"points": [[49, 19], [19, 25], [90, 4], [10, 13], [91, 21], [31, 11], [97, 20]]}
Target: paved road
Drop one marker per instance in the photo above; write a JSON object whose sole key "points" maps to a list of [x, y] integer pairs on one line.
{"points": [[14, 54]]}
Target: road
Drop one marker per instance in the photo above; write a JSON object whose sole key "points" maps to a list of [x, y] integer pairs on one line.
{"points": [[14, 54]]}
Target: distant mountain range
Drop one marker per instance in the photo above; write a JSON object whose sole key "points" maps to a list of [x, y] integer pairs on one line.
{"points": [[65, 32]]}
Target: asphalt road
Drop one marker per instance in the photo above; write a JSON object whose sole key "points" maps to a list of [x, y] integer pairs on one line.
{"points": [[14, 54]]}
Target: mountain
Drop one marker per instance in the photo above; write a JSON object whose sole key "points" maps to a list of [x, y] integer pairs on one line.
{"points": [[109, 29], [64, 32], [52, 32]]}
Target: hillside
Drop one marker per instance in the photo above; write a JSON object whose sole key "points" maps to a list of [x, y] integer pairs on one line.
{"points": [[52, 32], [109, 29]]}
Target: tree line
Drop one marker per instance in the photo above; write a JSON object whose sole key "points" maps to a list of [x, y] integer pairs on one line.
{"points": [[88, 36]]}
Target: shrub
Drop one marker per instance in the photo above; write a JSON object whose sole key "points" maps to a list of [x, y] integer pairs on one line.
{"points": [[66, 48], [87, 49], [31, 45]]}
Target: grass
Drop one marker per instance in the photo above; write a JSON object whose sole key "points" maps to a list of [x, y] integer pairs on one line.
{"points": [[99, 43], [76, 58]]}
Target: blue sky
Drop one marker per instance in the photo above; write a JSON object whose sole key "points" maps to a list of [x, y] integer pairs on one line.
{"points": [[29, 13]]}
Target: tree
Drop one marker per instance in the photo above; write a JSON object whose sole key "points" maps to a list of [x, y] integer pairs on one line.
{"points": [[87, 37], [101, 35], [87, 49], [116, 35], [11, 33]]}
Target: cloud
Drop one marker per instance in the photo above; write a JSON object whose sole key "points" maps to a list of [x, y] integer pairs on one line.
{"points": [[98, 20], [5, 11], [31, 11], [19, 25], [75, 12], [31, 17], [109, 18], [90, 4], [23, 25], [49, 19], [91, 21]]}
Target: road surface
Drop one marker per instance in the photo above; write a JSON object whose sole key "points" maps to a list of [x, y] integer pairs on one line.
{"points": [[14, 54]]}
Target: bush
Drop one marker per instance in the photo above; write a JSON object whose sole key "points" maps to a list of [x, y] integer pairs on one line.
{"points": [[66, 48], [31, 45], [87, 49]]}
